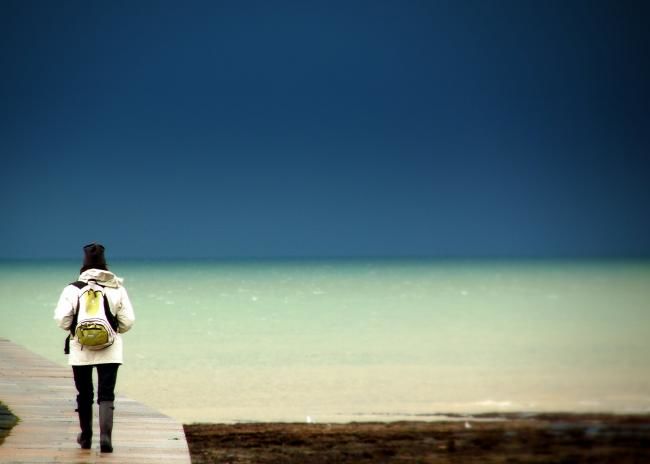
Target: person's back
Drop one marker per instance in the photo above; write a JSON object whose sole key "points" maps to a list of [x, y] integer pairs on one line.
{"points": [[82, 358]]}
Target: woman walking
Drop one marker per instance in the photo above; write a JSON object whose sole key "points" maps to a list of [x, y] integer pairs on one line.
{"points": [[95, 309]]}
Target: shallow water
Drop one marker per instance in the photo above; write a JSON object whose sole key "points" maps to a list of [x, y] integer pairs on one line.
{"points": [[356, 340]]}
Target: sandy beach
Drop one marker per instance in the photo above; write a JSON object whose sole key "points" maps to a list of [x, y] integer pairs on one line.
{"points": [[512, 438]]}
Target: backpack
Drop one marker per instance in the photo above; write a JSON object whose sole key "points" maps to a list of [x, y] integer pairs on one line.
{"points": [[93, 324]]}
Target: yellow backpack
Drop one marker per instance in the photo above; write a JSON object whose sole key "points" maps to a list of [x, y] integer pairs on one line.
{"points": [[93, 325]]}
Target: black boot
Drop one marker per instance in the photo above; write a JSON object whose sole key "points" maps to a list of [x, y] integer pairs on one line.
{"points": [[85, 411], [106, 426]]}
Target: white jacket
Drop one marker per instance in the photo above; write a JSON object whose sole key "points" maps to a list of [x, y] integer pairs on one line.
{"points": [[120, 306]]}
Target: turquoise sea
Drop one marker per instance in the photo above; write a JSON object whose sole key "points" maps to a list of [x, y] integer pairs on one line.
{"points": [[340, 340]]}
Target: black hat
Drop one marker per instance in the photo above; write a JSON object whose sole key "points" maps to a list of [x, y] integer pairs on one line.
{"points": [[94, 256]]}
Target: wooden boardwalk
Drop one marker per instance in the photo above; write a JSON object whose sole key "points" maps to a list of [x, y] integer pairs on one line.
{"points": [[43, 396]]}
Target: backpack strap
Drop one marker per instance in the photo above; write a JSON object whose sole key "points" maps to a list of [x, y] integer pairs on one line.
{"points": [[73, 326], [112, 318], [79, 284]]}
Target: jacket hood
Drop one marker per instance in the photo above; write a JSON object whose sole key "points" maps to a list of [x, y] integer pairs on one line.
{"points": [[105, 278]]}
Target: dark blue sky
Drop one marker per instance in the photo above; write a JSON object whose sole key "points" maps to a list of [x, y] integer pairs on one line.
{"points": [[263, 129]]}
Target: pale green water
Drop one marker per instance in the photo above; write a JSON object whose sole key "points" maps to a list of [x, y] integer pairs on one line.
{"points": [[341, 340]]}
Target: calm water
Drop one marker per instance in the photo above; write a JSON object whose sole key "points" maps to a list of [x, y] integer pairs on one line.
{"points": [[357, 340]]}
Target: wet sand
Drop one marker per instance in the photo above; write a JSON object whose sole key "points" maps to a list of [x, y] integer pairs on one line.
{"points": [[511, 438]]}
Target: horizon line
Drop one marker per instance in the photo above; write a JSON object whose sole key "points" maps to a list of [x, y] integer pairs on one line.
{"points": [[369, 257]]}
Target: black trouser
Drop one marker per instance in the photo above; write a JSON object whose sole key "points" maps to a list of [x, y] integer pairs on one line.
{"points": [[106, 378]]}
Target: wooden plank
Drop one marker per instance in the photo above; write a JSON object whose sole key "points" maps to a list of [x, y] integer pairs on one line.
{"points": [[42, 395]]}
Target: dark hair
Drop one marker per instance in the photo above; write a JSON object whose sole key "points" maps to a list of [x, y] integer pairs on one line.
{"points": [[94, 257]]}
